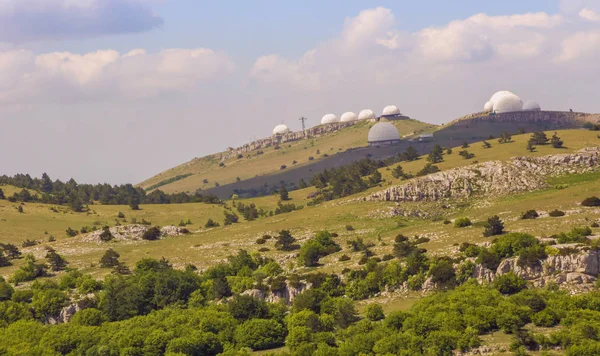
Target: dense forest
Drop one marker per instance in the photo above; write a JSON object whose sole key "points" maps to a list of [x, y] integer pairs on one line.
{"points": [[155, 309], [77, 195]]}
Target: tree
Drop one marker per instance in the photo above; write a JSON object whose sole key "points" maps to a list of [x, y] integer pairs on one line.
{"points": [[530, 145], [556, 141], [591, 201], [465, 145], [398, 172], [283, 193], [2, 196], [509, 283], [244, 307], [486, 144], [76, 204], [375, 312], [466, 154], [539, 138], [260, 334], [230, 218], [110, 258], [410, 154], [375, 178], [435, 156], [106, 235], [152, 234], [134, 203], [11, 251], [494, 226], [442, 272], [302, 184], [428, 169], [56, 261], [285, 241], [4, 261], [46, 183], [211, 223], [505, 137], [71, 232]]}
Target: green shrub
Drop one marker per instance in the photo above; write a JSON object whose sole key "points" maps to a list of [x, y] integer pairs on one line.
{"points": [[509, 283], [591, 201], [152, 233], [529, 214], [462, 222], [260, 334], [344, 258], [556, 213], [375, 312]]}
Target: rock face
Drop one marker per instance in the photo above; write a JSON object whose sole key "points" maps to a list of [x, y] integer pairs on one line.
{"points": [[494, 178], [132, 232], [576, 269], [289, 137], [287, 295]]}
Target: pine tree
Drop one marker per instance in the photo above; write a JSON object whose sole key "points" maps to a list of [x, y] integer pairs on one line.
{"points": [[375, 178], [110, 258], [283, 193], [56, 261], [410, 154], [106, 235], [302, 184], [46, 184], [494, 226], [539, 138], [556, 141], [435, 156], [285, 241], [2, 196], [530, 146]]}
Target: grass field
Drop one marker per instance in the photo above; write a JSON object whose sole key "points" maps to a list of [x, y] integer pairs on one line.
{"points": [[369, 220], [271, 161]]}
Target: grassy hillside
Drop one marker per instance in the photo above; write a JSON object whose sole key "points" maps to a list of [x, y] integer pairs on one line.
{"points": [[369, 220], [252, 165]]}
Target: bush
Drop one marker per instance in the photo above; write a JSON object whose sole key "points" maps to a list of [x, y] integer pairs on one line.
{"points": [[494, 226], [545, 318], [264, 249], [591, 201], [260, 334], [344, 258], [71, 232], [375, 312], [530, 214], [211, 223], [349, 228], [428, 169], [509, 283], [121, 215], [29, 243], [106, 235], [462, 222], [556, 213], [260, 241], [152, 233], [109, 259]]}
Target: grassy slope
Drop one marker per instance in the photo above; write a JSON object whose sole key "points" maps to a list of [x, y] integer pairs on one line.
{"points": [[205, 247], [271, 161]]}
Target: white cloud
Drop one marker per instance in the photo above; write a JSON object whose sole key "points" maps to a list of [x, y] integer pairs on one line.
{"points": [[106, 73], [32, 20], [589, 14], [580, 45], [366, 27], [274, 69]]}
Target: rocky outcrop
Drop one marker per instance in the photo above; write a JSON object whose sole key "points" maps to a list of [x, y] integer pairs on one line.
{"points": [[132, 232], [579, 269], [287, 295], [492, 178], [556, 119]]}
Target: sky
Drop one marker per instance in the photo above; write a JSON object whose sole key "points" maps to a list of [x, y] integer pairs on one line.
{"points": [[118, 90]]}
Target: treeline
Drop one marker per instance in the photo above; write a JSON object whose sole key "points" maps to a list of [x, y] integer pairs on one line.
{"points": [[77, 195]]}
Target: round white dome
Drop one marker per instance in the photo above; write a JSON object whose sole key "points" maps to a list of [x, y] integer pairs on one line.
{"points": [[531, 105], [508, 103], [390, 110], [329, 119], [497, 95], [366, 115], [280, 130], [348, 116], [489, 106], [383, 131]]}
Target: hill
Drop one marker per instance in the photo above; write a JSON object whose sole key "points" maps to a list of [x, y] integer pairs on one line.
{"points": [[429, 256], [266, 157]]}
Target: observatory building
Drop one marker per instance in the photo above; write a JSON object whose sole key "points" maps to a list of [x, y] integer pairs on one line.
{"points": [[280, 130], [329, 119], [367, 115], [348, 117], [531, 105], [391, 112], [383, 134]]}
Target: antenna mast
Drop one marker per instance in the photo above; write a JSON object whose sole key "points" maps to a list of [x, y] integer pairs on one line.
{"points": [[303, 125]]}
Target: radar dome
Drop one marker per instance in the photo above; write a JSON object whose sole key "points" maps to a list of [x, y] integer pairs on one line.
{"points": [[489, 106], [531, 105], [366, 115], [329, 119], [390, 110], [383, 132], [497, 95], [280, 130], [508, 103], [348, 116]]}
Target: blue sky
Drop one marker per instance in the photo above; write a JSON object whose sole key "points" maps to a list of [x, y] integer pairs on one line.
{"points": [[116, 77]]}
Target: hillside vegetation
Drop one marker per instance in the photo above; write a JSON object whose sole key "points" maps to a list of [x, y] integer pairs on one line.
{"points": [[207, 171], [410, 267]]}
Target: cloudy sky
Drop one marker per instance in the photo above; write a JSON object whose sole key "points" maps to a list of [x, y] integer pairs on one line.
{"points": [[118, 90]]}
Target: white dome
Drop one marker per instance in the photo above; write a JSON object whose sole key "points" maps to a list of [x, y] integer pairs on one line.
{"points": [[508, 103], [329, 119], [489, 106], [280, 130], [497, 95], [383, 131], [531, 105], [390, 110], [348, 116], [366, 115]]}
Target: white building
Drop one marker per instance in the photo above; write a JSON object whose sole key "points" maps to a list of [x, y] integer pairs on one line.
{"points": [[383, 134]]}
